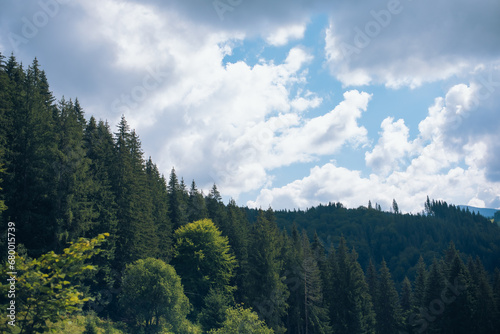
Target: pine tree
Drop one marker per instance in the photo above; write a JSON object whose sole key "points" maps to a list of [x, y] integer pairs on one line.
{"points": [[387, 308], [196, 207], [215, 208], [483, 299], [316, 318], [176, 206], [406, 302], [372, 281], [420, 284], [30, 152], [293, 271], [458, 314], [158, 187], [98, 142], [136, 233], [433, 306], [238, 234], [74, 212], [265, 290], [351, 308]]}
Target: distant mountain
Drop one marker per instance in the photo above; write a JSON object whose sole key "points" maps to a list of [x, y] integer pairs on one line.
{"points": [[485, 212]]}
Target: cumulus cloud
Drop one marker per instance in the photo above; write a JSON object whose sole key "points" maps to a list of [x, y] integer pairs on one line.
{"points": [[453, 158], [392, 147], [284, 34]]}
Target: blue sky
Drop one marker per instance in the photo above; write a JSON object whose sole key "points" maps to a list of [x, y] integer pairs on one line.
{"points": [[287, 103]]}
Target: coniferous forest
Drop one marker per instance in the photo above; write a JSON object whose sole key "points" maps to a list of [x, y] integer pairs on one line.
{"points": [[107, 244]]}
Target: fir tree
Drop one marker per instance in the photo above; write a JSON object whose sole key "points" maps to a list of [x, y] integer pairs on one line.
{"points": [[351, 308], [265, 290], [316, 319], [420, 284], [31, 150], [387, 308], [175, 197], [196, 206], [406, 302]]}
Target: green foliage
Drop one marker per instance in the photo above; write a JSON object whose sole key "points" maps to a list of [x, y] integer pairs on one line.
{"points": [[204, 260], [213, 313], [386, 302], [399, 239], [244, 321], [44, 286], [265, 289], [351, 309], [152, 292]]}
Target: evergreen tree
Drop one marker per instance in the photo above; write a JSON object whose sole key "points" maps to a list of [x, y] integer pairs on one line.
{"points": [[406, 302], [351, 308], [372, 281], [483, 300], [420, 284], [458, 303], [387, 308], [31, 150], [265, 290], [433, 306], [196, 206], [98, 142], [316, 319], [175, 202], [215, 208], [293, 255], [74, 212], [136, 233], [159, 196], [238, 236]]}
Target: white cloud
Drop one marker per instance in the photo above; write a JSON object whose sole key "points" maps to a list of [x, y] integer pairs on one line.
{"points": [[451, 159], [392, 147], [283, 35]]}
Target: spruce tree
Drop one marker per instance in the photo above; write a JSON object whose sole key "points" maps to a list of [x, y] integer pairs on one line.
{"points": [[387, 308], [265, 290], [459, 302], [351, 308], [372, 281], [176, 206], [74, 211], [406, 302], [316, 319], [136, 232], [196, 207], [30, 182], [433, 307], [483, 301], [159, 196], [293, 271], [420, 284]]}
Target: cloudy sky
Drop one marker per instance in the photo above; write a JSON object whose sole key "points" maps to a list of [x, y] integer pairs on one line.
{"points": [[287, 103]]}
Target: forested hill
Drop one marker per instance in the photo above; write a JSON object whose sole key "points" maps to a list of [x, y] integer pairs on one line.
{"points": [[94, 233], [399, 238]]}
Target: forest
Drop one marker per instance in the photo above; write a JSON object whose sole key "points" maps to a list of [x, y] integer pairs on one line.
{"points": [[104, 243]]}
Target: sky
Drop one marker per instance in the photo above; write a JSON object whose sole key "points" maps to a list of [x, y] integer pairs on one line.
{"points": [[287, 104]]}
